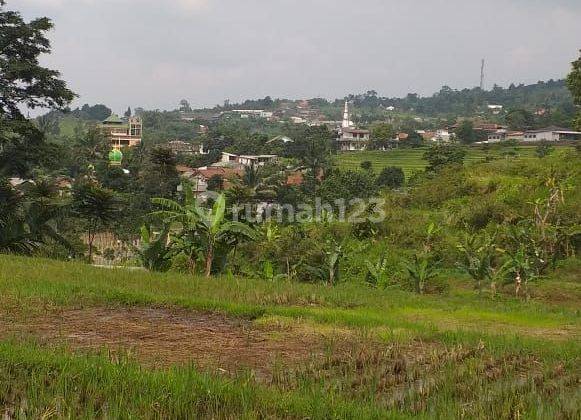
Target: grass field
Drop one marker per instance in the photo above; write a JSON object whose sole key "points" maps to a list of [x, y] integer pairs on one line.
{"points": [[411, 160], [78, 341]]}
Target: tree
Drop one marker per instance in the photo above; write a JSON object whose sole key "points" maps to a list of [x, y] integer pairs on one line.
{"points": [[27, 222], [347, 185], [206, 230], [420, 270], [216, 183], [466, 133], [382, 135], [97, 206], [366, 165], [392, 177], [97, 112], [478, 252], [159, 176], [328, 271], [519, 119], [258, 184], [313, 150], [184, 106], [440, 156], [574, 84], [14, 235], [154, 252], [414, 139], [48, 124], [25, 83], [544, 149]]}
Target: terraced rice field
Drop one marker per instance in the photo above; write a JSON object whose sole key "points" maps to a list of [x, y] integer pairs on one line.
{"points": [[411, 160]]}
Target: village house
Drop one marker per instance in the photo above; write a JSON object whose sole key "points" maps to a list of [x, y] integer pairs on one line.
{"points": [[180, 147], [199, 178], [503, 135], [442, 136], [251, 113], [495, 109]]}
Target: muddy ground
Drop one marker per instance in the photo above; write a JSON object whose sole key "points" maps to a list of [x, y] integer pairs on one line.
{"points": [[161, 337]]}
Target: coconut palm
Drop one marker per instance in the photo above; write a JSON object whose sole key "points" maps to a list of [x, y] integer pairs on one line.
{"points": [[261, 186]]}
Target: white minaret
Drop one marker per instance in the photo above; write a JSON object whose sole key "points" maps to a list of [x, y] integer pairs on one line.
{"points": [[346, 117]]}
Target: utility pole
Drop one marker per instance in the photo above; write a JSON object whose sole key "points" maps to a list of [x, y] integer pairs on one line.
{"points": [[482, 75]]}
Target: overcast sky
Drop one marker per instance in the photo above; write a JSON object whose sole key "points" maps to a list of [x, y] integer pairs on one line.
{"points": [[152, 53]]}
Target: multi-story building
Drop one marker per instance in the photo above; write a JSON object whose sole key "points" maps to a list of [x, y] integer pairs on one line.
{"points": [[122, 132], [351, 138]]}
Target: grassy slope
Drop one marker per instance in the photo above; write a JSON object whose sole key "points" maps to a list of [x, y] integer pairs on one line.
{"points": [[411, 160], [505, 327]]}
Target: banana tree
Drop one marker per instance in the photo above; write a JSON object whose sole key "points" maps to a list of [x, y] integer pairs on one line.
{"points": [[219, 234], [328, 272], [209, 227], [478, 254], [154, 252], [420, 270], [377, 273]]}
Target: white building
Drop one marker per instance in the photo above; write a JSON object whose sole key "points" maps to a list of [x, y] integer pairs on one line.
{"points": [[184, 148], [497, 136], [442, 136], [298, 120], [255, 113], [351, 138], [552, 134], [248, 160]]}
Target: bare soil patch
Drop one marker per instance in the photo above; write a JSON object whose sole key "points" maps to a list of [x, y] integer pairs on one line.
{"points": [[161, 337]]}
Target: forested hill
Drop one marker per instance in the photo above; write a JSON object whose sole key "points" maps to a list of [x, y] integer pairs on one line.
{"points": [[552, 96], [539, 104]]}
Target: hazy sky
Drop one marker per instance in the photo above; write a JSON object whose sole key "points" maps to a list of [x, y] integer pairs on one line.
{"points": [[152, 53]]}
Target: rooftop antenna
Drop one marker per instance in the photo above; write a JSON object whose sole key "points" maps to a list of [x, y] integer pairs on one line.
{"points": [[482, 75]]}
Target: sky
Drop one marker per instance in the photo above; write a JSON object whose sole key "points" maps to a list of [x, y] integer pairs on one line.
{"points": [[152, 53]]}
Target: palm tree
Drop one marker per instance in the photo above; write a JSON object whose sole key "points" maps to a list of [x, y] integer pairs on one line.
{"points": [[97, 205], [261, 186], [14, 235], [208, 229], [26, 224]]}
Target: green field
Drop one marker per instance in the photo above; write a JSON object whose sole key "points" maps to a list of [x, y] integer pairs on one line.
{"points": [[411, 160], [83, 342]]}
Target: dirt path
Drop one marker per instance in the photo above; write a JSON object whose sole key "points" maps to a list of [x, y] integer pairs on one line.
{"points": [[163, 337]]}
